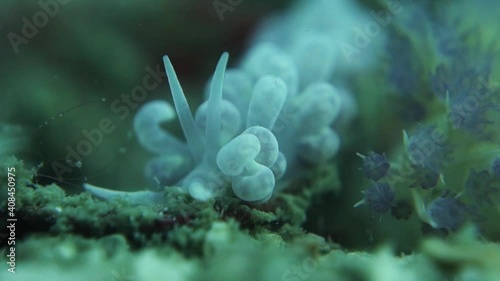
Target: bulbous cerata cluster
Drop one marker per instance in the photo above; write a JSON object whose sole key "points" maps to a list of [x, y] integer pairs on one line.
{"points": [[262, 121], [254, 126]]}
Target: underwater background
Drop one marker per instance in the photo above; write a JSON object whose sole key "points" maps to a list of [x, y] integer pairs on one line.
{"points": [[335, 140]]}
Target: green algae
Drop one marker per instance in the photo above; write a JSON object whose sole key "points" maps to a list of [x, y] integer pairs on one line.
{"points": [[78, 237]]}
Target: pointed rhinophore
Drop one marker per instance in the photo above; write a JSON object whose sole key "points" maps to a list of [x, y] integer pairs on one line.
{"points": [[214, 108], [191, 132]]}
